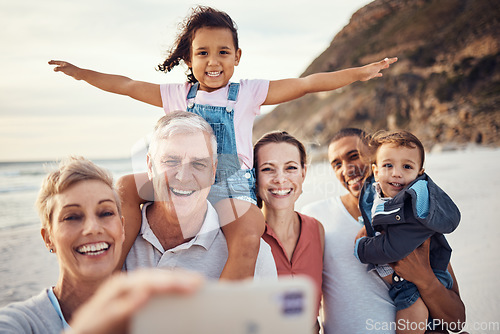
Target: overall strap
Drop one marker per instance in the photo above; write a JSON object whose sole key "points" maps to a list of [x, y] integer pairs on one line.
{"points": [[192, 94], [232, 96], [193, 90]]}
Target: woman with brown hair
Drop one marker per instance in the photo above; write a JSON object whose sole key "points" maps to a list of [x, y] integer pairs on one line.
{"points": [[296, 240]]}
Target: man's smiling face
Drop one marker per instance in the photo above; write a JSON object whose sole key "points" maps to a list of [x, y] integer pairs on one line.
{"points": [[345, 159], [183, 171]]}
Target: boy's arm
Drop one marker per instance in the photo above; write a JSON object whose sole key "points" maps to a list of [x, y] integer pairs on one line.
{"points": [[139, 90], [395, 243], [289, 89], [443, 304], [131, 200]]}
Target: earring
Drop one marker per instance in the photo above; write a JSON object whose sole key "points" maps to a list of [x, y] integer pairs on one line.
{"points": [[51, 250]]}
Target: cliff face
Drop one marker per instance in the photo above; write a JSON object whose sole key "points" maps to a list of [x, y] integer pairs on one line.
{"points": [[445, 88]]}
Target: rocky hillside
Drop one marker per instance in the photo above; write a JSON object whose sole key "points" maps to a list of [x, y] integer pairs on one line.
{"points": [[445, 87]]}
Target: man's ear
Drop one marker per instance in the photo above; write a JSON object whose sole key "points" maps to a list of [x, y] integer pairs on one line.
{"points": [[150, 167]]}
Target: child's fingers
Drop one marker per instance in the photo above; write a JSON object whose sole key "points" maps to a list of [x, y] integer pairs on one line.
{"points": [[55, 62], [59, 64], [390, 61], [386, 62]]}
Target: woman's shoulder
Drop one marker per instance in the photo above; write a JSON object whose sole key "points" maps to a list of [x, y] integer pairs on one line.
{"points": [[312, 229], [29, 303], [309, 221], [34, 315]]}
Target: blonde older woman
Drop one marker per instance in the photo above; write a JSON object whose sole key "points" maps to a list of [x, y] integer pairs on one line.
{"points": [[83, 227]]}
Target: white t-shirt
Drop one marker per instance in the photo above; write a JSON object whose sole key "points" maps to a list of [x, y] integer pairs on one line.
{"points": [[251, 95], [355, 300]]}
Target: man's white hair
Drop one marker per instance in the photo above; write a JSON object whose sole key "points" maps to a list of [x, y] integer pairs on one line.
{"points": [[181, 122]]}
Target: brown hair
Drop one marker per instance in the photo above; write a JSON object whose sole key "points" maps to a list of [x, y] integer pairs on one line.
{"points": [[70, 171], [398, 138], [279, 137], [200, 17]]}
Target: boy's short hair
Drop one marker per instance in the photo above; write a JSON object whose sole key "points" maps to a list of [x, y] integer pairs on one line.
{"points": [[398, 138], [69, 172]]}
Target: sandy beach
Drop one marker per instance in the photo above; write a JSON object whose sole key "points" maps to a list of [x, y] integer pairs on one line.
{"points": [[469, 176]]}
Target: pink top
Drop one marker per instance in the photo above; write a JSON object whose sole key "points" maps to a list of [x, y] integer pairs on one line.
{"points": [[251, 95], [307, 258]]}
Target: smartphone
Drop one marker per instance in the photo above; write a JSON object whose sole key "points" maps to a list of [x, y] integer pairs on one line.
{"points": [[244, 307]]}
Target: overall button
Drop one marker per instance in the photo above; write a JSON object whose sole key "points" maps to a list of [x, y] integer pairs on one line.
{"points": [[397, 278], [190, 105], [247, 175], [229, 109]]}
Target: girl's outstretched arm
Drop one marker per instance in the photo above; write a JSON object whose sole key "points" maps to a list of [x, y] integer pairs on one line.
{"points": [[118, 84], [290, 89]]}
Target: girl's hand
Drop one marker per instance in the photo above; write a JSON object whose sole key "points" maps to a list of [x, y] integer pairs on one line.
{"points": [[66, 68], [372, 70]]}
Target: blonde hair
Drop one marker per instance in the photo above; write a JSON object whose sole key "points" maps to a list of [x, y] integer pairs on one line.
{"points": [[69, 172]]}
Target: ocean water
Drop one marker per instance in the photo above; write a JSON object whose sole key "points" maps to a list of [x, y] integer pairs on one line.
{"points": [[20, 183]]}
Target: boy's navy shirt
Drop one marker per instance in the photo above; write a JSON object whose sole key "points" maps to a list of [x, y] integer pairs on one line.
{"points": [[419, 211]]}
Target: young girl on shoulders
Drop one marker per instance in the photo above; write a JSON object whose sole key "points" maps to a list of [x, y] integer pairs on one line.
{"points": [[208, 45]]}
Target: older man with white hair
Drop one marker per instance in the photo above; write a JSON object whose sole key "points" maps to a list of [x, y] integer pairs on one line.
{"points": [[180, 228]]}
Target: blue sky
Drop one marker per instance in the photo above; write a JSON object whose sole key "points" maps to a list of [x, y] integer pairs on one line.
{"points": [[46, 115]]}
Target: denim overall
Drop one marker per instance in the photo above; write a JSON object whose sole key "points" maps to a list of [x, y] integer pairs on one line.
{"points": [[230, 180]]}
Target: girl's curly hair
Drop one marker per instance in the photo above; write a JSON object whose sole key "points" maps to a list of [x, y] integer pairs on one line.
{"points": [[200, 17]]}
